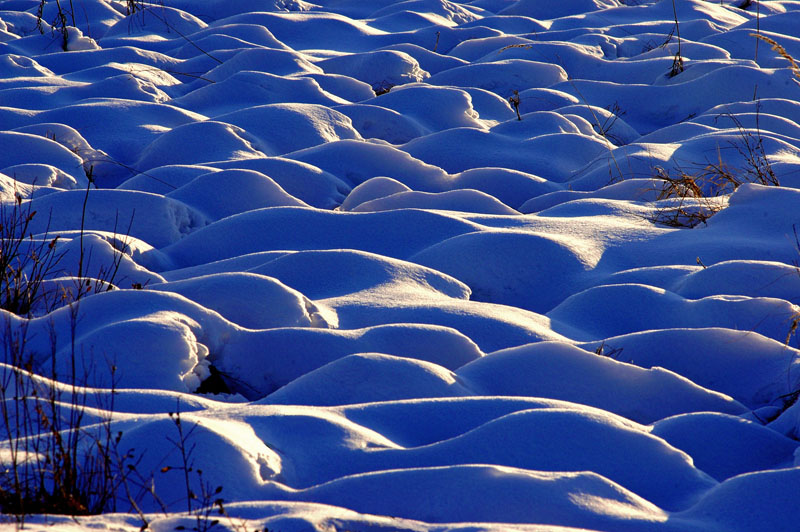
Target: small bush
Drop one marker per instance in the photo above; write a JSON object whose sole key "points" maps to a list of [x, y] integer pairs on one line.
{"points": [[26, 261], [29, 263], [203, 501], [59, 455]]}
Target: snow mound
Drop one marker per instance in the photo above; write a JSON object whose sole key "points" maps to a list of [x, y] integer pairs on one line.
{"points": [[561, 371]]}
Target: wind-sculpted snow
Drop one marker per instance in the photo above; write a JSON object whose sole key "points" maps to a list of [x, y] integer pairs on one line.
{"points": [[417, 265]]}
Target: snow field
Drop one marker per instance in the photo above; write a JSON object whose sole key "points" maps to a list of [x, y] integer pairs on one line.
{"points": [[420, 312]]}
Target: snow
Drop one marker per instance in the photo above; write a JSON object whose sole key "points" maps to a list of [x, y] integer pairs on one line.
{"points": [[323, 260]]}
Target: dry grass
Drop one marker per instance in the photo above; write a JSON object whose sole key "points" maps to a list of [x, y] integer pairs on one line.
{"points": [[677, 62], [683, 199], [697, 194], [793, 66]]}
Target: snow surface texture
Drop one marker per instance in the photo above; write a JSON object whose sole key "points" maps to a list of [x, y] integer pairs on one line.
{"points": [[429, 315]]}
